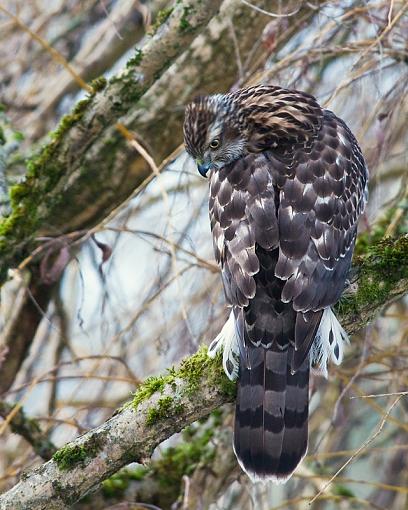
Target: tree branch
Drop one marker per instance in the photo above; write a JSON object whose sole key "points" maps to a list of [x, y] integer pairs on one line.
{"points": [[29, 429], [15, 340], [99, 52], [161, 407], [165, 405], [88, 168], [191, 474]]}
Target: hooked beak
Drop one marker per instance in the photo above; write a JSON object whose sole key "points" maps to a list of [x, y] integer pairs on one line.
{"points": [[203, 167]]}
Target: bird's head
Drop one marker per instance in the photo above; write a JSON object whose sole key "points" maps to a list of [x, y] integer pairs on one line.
{"points": [[221, 128], [211, 134]]}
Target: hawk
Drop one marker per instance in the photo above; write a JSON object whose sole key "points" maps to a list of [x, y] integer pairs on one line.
{"points": [[287, 184]]}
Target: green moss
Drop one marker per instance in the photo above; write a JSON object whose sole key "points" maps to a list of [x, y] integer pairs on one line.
{"points": [[18, 136], [193, 368], [165, 408], [184, 22], [26, 196], [383, 266], [99, 83], [162, 17], [136, 59], [342, 490], [382, 263], [196, 448], [71, 455], [116, 485], [70, 119], [2, 136], [20, 223], [192, 371], [130, 92], [43, 173], [372, 290], [150, 386]]}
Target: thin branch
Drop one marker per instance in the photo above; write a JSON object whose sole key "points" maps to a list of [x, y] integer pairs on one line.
{"points": [[56, 55], [269, 13], [359, 451], [29, 429]]}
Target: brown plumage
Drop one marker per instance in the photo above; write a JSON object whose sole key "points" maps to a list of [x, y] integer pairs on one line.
{"points": [[288, 183]]}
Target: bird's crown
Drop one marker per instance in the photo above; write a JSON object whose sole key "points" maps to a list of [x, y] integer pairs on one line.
{"points": [[266, 116]]}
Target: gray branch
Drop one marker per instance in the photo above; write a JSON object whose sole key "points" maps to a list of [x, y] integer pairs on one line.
{"points": [[190, 393]]}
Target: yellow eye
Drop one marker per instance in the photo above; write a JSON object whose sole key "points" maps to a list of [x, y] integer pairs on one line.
{"points": [[215, 143]]}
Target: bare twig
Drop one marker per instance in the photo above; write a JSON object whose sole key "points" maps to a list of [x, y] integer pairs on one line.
{"points": [[360, 450], [55, 54]]}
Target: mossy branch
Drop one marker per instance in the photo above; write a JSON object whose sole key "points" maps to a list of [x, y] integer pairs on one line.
{"points": [[166, 404], [162, 406], [377, 279], [88, 168], [203, 454], [89, 129]]}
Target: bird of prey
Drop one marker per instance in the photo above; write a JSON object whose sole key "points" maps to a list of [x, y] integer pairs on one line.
{"points": [[287, 184]]}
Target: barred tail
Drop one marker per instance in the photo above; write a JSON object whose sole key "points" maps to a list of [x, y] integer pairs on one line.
{"points": [[271, 419]]}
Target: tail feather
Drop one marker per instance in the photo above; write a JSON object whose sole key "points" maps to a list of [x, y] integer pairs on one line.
{"points": [[295, 438], [270, 436]]}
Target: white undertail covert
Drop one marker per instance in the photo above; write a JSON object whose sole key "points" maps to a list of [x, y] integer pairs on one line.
{"points": [[228, 341], [328, 345]]}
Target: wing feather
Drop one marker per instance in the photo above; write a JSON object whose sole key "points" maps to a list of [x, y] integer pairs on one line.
{"points": [[323, 191], [243, 215], [318, 213]]}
